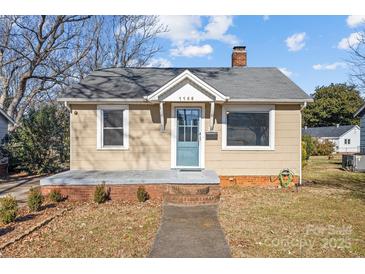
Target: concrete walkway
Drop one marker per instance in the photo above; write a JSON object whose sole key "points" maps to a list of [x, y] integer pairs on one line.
{"points": [[190, 232], [18, 187]]}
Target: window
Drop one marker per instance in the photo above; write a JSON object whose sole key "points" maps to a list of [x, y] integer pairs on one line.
{"points": [[347, 141], [188, 124], [248, 127], [112, 127]]}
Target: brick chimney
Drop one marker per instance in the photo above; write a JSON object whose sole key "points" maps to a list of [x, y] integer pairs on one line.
{"points": [[239, 56]]}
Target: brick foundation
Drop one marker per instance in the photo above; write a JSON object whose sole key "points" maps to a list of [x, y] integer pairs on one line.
{"points": [[262, 181], [117, 192], [187, 194]]}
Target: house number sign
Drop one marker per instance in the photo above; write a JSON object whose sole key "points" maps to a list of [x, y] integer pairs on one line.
{"points": [[186, 98]]}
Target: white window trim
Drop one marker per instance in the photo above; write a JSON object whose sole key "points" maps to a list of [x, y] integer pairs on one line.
{"points": [[99, 127], [202, 135], [249, 108]]}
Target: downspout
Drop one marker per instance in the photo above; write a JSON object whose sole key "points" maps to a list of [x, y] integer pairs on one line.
{"points": [[300, 142], [304, 106], [68, 107]]}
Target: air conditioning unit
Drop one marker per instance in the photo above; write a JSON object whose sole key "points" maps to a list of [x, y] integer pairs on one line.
{"points": [[354, 162]]}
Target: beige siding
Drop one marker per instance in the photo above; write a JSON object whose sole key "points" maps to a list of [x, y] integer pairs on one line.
{"points": [[150, 149], [285, 155]]}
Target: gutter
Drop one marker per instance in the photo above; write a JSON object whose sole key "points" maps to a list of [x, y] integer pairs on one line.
{"points": [[145, 100], [101, 101], [253, 100]]}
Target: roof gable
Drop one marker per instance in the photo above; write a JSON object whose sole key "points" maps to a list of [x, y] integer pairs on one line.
{"points": [[193, 87]]}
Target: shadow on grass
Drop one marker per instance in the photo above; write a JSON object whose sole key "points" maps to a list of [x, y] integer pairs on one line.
{"points": [[25, 218], [43, 207], [344, 180], [5, 230]]}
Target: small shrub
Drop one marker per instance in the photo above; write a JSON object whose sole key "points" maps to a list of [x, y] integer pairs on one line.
{"points": [[55, 196], [8, 209], [304, 153], [35, 199], [309, 145], [101, 194], [142, 194], [41, 143], [323, 147]]}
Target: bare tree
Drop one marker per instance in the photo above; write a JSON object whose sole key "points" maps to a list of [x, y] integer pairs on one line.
{"points": [[357, 61], [40, 55], [36, 55], [123, 41]]}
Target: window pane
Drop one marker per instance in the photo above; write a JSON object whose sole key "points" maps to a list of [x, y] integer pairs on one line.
{"points": [[113, 137], [247, 129], [194, 137], [187, 134], [113, 118], [180, 116], [181, 134]]}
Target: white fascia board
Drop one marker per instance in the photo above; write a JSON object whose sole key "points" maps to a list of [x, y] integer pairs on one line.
{"points": [[355, 126], [7, 117], [101, 101], [261, 100], [359, 110], [187, 75]]}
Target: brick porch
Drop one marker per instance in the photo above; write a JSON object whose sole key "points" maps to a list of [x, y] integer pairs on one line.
{"points": [[173, 186]]}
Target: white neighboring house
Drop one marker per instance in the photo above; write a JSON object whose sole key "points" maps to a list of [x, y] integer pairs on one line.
{"points": [[361, 113], [5, 120], [345, 138]]}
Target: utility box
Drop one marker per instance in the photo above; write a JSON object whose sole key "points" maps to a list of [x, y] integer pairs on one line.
{"points": [[354, 162]]}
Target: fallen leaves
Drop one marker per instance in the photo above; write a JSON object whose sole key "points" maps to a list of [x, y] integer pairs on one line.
{"points": [[113, 229]]}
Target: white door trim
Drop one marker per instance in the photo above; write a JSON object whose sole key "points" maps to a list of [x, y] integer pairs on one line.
{"points": [[202, 134]]}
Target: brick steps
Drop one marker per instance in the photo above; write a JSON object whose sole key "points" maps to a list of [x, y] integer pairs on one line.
{"points": [[192, 194]]}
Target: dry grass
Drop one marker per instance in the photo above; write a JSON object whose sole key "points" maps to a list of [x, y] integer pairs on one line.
{"points": [[323, 219], [89, 230]]}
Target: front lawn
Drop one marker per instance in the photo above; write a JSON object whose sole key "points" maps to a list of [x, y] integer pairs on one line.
{"points": [[114, 229], [325, 218]]}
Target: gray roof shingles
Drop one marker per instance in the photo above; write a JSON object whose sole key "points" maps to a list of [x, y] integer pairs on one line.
{"points": [[236, 83], [332, 131]]}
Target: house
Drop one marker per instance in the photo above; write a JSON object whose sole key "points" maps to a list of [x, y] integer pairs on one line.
{"points": [[356, 162], [345, 138], [361, 113], [163, 126], [5, 120]]}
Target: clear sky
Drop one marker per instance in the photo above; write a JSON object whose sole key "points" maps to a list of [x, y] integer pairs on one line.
{"points": [[311, 50]]}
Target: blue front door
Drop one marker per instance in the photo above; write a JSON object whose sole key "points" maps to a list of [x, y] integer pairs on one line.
{"points": [[187, 137]]}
